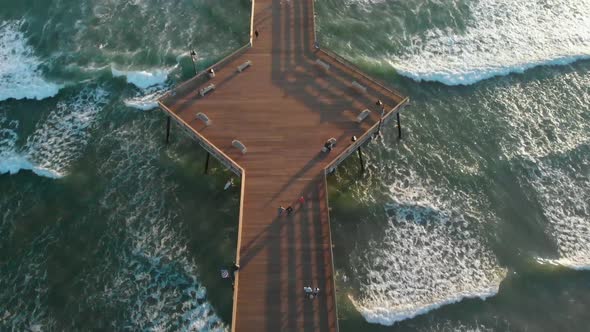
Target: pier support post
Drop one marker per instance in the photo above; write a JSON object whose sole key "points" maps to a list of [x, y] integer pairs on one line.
{"points": [[378, 132], [399, 127], [167, 130], [207, 162], [361, 160]]}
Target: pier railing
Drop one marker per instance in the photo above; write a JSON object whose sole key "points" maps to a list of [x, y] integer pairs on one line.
{"points": [[232, 166], [366, 136], [327, 200], [252, 21], [352, 67], [208, 146], [201, 77]]}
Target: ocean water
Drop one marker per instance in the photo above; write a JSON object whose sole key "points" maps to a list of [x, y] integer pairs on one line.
{"points": [[477, 220]]}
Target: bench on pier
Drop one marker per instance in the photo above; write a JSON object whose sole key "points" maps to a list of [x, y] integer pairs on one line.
{"points": [[359, 87], [203, 117], [329, 145], [322, 64], [363, 115], [239, 145], [244, 65], [207, 89]]}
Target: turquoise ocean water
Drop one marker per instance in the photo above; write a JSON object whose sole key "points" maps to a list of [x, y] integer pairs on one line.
{"points": [[478, 220]]}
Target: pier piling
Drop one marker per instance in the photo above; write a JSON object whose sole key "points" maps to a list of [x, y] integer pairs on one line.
{"points": [[167, 130], [399, 126], [207, 163], [361, 160]]}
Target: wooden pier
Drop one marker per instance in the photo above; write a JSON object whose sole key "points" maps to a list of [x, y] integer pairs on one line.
{"points": [[281, 97]]}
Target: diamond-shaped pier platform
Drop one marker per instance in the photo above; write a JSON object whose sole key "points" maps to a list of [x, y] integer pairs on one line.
{"points": [[282, 98]]}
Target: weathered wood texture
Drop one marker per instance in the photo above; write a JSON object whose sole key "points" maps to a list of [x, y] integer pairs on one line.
{"points": [[282, 108]]}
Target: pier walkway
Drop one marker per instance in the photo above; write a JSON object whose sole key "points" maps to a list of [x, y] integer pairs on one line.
{"points": [[282, 108]]}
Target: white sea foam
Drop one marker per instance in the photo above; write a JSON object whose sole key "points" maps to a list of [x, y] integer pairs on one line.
{"points": [[13, 163], [142, 103], [147, 99], [154, 274], [24, 284], [57, 139], [10, 160], [549, 142], [20, 70], [565, 197], [143, 79], [501, 37], [544, 117], [429, 255]]}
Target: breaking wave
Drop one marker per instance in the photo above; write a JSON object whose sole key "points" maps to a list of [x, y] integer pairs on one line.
{"points": [[431, 254], [501, 37], [154, 273], [143, 79], [21, 76], [147, 99], [549, 144], [57, 139]]}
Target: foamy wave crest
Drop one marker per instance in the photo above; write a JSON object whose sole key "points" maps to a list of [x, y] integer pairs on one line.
{"points": [[143, 79], [60, 138], [20, 72], [146, 99], [545, 117], [565, 198], [13, 163], [430, 255], [57, 140], [502, 37], [154, 274], [549, 142]]}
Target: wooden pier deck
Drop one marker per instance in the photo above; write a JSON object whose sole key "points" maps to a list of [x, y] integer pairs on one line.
{"points": [[282, 108]]}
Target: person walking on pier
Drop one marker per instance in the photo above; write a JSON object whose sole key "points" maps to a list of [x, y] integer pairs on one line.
{"points": [[281, 210], [316, 291], [256, 33], [289, 210], [301, 200]]}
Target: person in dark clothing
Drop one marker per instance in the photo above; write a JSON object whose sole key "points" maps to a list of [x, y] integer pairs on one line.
{"points": [[256, 33], [289, 210]]}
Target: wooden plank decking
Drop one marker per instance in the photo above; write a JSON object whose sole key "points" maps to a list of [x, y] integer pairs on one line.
{"points": [[283, 108]]}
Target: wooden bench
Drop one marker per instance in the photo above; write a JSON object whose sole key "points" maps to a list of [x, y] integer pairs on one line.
{"points": [[363, 115], [207, 89], [203, 117], [239, 145], [244, 65], [322, 64], [359, 87]]}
